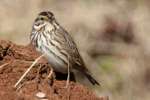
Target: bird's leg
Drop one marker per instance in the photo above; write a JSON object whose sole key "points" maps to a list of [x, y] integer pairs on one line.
{"points": [[38, 76], [50, 76], [68, 77], [38, 72]]}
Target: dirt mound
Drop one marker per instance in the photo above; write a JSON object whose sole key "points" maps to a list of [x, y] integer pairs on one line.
{"points": [[14, 61]]}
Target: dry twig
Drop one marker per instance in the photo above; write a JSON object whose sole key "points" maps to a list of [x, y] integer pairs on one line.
{"points": [[36, 60], [3, 65]]}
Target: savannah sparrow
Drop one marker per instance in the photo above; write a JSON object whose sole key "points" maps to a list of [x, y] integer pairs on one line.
{"points": [[51, 39]]}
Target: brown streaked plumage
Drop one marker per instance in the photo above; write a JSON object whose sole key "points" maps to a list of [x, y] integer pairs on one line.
{"points": [[52, 40]]}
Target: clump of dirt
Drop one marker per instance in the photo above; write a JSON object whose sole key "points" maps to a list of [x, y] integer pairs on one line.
{"points": [[15, 60]]}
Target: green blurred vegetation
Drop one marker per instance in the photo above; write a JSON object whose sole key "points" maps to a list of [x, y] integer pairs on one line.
{"points": [[107, 64]]}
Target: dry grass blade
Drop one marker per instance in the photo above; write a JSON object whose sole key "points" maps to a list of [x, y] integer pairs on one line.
{"points": [[3, 65], [36, 60]]}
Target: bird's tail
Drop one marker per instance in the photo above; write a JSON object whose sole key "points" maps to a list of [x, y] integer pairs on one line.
{"points": [[91, 79]]}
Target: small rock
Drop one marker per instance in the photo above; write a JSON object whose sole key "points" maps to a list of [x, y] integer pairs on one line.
{"points": [[40, 95], [44, 99]]}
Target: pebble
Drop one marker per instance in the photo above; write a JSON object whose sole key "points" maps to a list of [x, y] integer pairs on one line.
{"points": [[41, 95], [44, 99]]}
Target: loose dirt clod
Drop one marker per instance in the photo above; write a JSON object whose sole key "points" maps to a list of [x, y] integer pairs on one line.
{"points": [[19, 58]]}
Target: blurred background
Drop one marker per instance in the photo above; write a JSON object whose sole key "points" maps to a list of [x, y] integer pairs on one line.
{"points": [[112, 36]]}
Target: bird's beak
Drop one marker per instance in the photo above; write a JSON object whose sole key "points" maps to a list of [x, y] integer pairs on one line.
{"points": [[38, 25]]}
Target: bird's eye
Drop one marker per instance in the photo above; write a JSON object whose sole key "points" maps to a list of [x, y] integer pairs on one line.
{"points": [[42, 18]]}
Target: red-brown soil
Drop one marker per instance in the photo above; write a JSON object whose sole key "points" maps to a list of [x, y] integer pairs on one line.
{"points": [[15, 60]]}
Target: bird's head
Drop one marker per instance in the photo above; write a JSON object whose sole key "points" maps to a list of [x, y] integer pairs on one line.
{"points": [[44, 18]]}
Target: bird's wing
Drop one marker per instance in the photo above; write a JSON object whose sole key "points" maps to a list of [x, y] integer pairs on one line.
{"points": [[71, 48]]}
